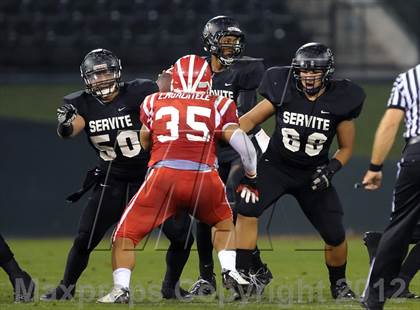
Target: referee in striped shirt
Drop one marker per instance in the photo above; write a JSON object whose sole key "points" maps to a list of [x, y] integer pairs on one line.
{"points": [[393, 246]]}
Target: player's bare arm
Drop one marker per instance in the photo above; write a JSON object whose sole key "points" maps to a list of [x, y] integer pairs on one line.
{"points": [[346, 132], [228, 131], [384, 139], [260, 113], [145, 138], [164, 80], [385, 135], [78, 125]]}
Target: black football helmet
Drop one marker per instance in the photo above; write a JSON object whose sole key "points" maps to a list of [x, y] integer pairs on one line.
{"points": [[313, 57], [217, 28], [101, 72]]}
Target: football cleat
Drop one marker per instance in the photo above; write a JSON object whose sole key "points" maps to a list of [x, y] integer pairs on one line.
{"points": [[61, 292], [406, 294], [203, 287], [260, 279], [365, 305], [177, 292], [394, 292], [23, 288], [342, 291], [118, 295], [233, 280]]}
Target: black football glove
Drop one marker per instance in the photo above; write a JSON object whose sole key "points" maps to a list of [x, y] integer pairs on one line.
{"points": [[323, 175], [66, 114], [248, 189]]}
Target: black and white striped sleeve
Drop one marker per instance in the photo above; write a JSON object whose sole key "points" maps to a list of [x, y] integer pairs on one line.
{"points": [[398, 100], [405, 90]]}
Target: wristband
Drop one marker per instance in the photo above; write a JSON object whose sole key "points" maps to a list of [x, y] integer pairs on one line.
{"points": [[334, 165], [375, 168], [64, 131]]}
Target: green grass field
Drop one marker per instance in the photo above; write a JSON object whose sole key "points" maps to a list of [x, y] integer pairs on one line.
{"points": [[301, 280], [39, 102]]}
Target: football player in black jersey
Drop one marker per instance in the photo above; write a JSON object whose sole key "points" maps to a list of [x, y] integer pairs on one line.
{"points": [[236, 77], [310, 109], [108, 111], [23, 286]]}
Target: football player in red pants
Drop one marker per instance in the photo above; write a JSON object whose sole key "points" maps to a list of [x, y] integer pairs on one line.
{"points": [[180, 128]]}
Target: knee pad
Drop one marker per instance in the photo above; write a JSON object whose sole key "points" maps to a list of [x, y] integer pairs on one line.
{"points": [[249, 209], [335, 240]]}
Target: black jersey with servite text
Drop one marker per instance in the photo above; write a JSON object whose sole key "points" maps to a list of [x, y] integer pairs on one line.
{"points": [[113, 128], [305, 129], [238, 82]]}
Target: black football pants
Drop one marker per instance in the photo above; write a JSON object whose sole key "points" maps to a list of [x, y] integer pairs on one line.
{"points": [[5, 252], [231, 174]]}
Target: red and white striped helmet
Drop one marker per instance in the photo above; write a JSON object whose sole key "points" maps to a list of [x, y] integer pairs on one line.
{"points": [[191, 74]]}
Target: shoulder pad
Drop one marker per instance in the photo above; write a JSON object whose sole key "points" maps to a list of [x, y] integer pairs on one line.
{"points": [[273, 83], [247, 60], [144, 86], [250, 74], [345, 98], [249, 65], [78, 95], [79, 100]]}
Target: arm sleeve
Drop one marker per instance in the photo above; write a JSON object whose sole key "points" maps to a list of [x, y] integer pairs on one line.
{"points": [[146, 115], [397, 100], [244, 147], [226, 114]]}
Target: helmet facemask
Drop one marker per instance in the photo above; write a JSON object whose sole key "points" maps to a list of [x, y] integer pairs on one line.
{"points": [[229, 47], [102, 83], [101, 72], [311, 75], [313, 67]]}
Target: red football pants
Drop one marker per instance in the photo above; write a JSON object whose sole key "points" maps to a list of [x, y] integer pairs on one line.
{"points": [[167, 190]]}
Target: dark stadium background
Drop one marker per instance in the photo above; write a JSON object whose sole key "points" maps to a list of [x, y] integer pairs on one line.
{"points": [[43, 41]]}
